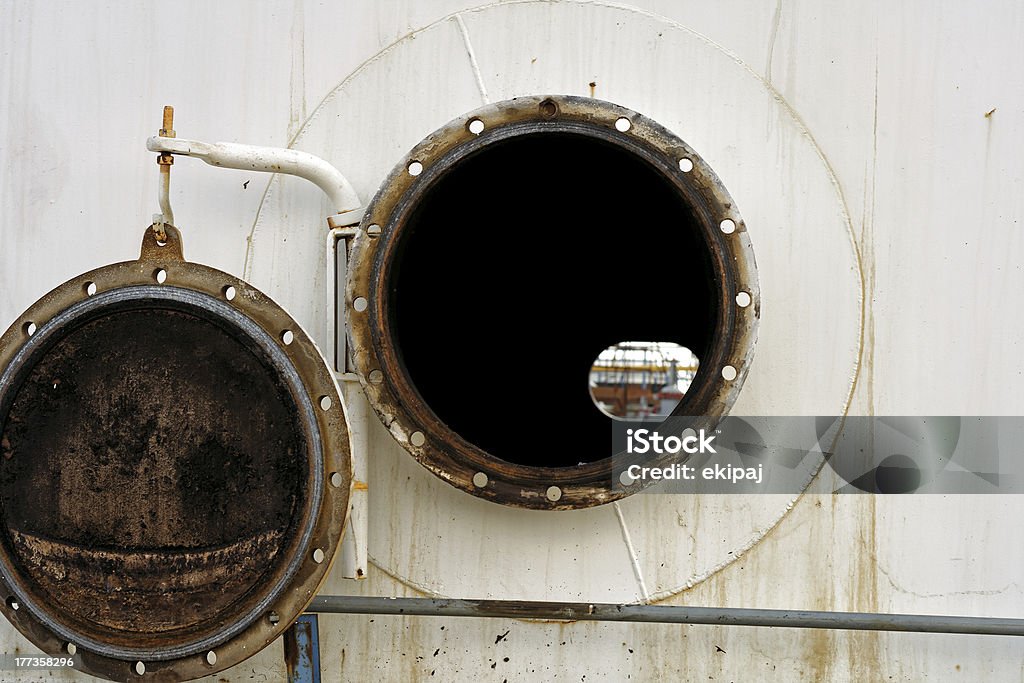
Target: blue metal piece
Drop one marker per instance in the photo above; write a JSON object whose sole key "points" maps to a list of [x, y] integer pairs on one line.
{"points": [[302, 650]]}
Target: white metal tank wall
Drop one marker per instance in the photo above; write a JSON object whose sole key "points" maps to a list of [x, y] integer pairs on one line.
{"points": [[896, 132]]}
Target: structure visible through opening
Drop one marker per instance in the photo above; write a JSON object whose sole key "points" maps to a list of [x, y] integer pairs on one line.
{"points": [[640, 380], [509, 251]]}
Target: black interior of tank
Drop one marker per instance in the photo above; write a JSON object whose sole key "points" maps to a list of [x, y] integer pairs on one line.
{"points": [[519, 266]]}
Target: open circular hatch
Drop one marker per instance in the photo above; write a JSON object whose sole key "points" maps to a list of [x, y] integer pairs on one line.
{"points": [[175, 469], [507, 260]]}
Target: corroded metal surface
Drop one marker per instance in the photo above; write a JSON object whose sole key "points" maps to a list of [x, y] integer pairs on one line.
{"points": [[176, 468], [380, 358]]}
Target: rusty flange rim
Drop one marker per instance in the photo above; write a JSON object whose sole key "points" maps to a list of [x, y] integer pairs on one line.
{"points": [[387, 385], [161, 265]]}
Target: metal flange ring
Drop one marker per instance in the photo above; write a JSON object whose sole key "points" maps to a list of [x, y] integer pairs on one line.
{"points": [[176, 469], [382, 355]]}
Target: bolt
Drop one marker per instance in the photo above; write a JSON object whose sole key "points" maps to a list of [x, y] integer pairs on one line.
{"points": [[165, 159], [168, 128]]}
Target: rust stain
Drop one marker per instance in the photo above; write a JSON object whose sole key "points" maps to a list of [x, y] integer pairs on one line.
{"points": [[819, 654]]}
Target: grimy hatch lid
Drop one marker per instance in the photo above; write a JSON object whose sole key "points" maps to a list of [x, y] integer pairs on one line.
{"points": [[175, 468]]}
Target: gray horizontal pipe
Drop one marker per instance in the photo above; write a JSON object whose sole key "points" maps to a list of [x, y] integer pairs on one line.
{"points": [[668, 614]]}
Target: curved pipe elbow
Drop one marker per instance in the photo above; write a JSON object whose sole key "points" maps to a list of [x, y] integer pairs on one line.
{"points": [[318, 171]]}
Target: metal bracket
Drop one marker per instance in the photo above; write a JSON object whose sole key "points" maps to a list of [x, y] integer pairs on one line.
{"points": [[354, 551], [349, 218], [302, 650]]}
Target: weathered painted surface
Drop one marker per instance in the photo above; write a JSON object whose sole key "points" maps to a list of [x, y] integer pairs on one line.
{"points": [[874, 153]]}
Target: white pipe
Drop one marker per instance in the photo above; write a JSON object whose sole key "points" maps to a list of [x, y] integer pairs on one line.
{"points": [[354, 545], [339, 191], [165, 196]]}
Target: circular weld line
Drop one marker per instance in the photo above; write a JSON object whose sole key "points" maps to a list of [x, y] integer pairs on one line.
{"points": [[281, 363]]}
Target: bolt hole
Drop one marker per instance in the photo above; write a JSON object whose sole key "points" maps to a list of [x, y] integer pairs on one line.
{"points": [[13, 604], [622, 124], [326, 403], [140, 668], [318, 555], [30, 328], [287, 337], [160, 275], [71, 648], [161, 244], [548, 109], [360, 304], [685, 165], [336, 479], [476, 126], [728, 373], [418, 439], [480, 480], [376, 376], [89, 288], [373, 230], [743, 299], [229, 293], [415, 168], [728, 226], [211, 658], [554, 493], [626, 479]]}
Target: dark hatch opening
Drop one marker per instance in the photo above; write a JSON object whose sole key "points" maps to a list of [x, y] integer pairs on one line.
{"points": [[520, 265]]}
